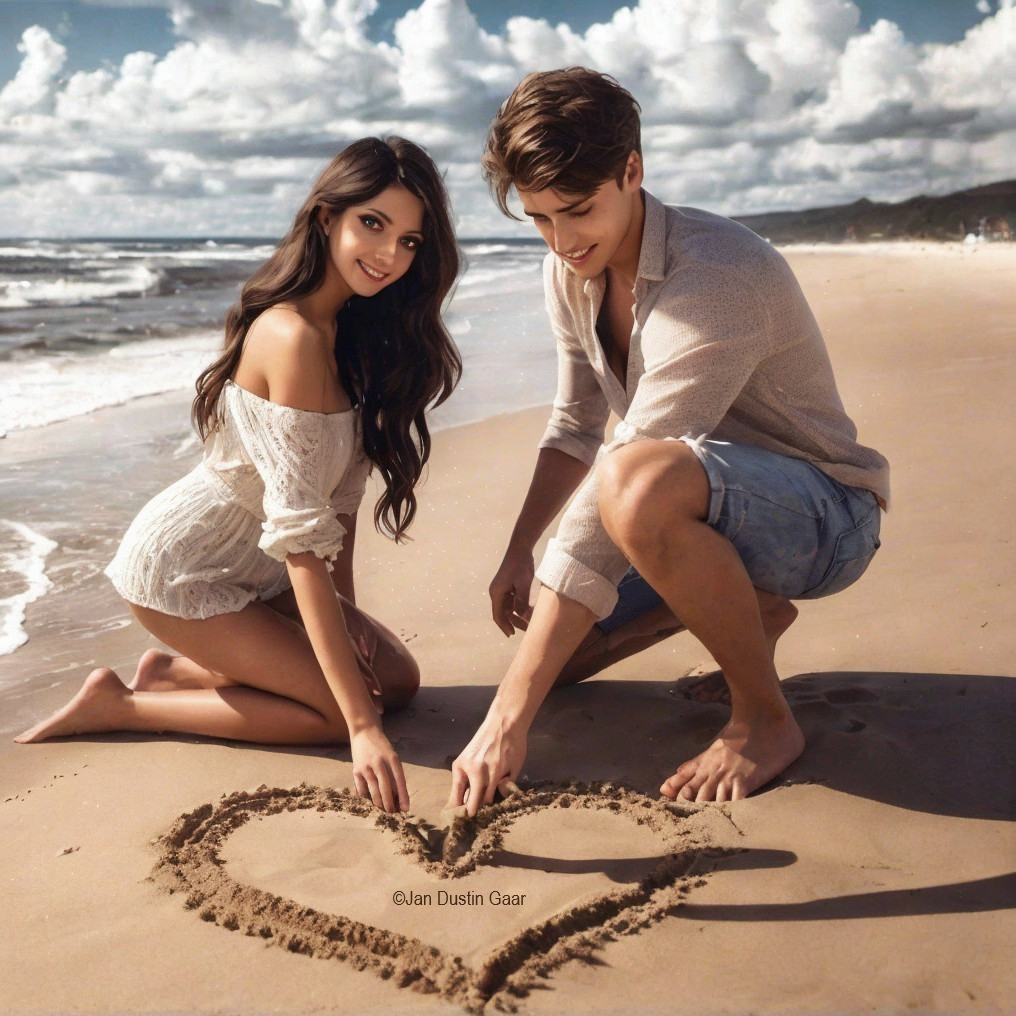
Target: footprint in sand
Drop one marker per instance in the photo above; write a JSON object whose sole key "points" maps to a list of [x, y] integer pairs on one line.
{"points": [[850, 726], [828, 706]]}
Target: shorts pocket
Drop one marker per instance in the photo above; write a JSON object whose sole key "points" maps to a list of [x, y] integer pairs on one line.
{"points": [[854, 550]]}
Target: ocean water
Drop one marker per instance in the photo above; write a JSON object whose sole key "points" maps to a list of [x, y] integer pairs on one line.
{"points": [[90, 325]]}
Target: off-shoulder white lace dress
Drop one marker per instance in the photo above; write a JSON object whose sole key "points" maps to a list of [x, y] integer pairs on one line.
{"points": [[271, 483]]}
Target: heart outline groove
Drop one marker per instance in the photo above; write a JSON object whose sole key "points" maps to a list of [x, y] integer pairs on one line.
{"points": [[190, 863]]}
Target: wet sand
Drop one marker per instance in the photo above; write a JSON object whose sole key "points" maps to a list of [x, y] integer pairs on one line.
{"points": [[875, 874]]}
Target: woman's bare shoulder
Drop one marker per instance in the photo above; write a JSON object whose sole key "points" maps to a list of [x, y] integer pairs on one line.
{"points": [[286, 358]]}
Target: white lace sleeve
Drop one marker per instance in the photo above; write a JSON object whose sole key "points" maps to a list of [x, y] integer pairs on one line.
{"points": [[301, 457]]}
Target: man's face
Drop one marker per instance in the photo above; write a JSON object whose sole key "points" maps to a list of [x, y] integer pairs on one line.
{"points": [[593, 231]]}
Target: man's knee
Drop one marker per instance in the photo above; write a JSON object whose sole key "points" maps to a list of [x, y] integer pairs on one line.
{"points": [[650, 484]]}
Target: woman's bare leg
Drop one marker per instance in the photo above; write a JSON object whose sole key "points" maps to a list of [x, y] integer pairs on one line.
{"points": [[105, 704], [386, 655], [391, 674], [278, 693]]}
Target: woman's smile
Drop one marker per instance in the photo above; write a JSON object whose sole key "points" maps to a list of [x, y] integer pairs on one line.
{"points": [[372, 273]]}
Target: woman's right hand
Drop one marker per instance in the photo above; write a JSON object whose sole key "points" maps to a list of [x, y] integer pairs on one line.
{"points": [[509, 591], [377, 771]]}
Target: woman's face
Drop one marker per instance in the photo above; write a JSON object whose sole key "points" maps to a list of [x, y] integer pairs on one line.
{"points": [[373, 244]]}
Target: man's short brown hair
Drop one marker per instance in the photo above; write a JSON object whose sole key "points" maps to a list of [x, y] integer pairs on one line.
{"points": [[570, 129]]}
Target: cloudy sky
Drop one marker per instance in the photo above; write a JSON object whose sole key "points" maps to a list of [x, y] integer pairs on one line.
{"points": [[211, 117]]}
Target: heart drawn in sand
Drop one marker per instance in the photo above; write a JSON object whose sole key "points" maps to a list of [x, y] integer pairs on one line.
{"points": [[474, 913]]}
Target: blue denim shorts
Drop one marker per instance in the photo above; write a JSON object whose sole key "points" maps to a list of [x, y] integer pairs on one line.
{"points": [[799, 532]]}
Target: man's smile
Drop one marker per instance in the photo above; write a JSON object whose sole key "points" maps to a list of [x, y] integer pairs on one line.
{"points": [[575, 255]]}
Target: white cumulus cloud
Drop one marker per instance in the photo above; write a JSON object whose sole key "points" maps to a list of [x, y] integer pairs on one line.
{"points": [[748, 105]]}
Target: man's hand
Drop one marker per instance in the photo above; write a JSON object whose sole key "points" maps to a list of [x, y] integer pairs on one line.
{"points": [[509, 591], [498, 747], [377, 771], [495, 754]]}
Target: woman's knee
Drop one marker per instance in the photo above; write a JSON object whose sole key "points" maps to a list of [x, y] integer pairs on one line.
{"points": [[397, 670], [389, 657]]}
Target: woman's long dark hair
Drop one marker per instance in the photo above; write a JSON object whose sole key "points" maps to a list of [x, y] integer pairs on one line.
{"points": [[395, 356]]}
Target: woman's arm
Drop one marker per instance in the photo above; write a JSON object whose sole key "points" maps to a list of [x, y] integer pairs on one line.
{"points": [[377, 771], [290, 357], [342, 566], [364, 642]]}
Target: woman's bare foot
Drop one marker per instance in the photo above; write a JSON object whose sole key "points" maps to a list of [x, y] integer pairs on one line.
{"points": [[744, 757], [153, 672], [99, 706], [706, 684], [159, 671]]}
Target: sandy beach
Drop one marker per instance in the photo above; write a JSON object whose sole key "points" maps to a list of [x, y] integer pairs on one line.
{"points": [[151, 875]]}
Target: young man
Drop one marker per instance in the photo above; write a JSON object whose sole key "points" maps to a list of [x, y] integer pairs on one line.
{"points": [[733, 482]]}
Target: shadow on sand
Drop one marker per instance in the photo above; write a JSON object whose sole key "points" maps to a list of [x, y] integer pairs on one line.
{"points": [[937, 743]]}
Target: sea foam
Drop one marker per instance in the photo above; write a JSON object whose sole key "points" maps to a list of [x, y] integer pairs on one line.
{"points": [[104, 284], [34, 392], [23, 579]]}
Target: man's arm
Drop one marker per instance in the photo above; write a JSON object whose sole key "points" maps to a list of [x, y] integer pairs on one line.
{"points": [[569, 446], [555, 479], [498, 747]]}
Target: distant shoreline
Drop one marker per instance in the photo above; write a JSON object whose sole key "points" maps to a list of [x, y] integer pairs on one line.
{"points": [[255, 241], [986, 210]]}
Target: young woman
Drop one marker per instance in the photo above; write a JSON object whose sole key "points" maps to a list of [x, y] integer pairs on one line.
{"points": [[244, 567]]}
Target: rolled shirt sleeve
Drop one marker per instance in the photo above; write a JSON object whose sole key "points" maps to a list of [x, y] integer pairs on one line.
{"points": [[299, 530], [299, 516]]}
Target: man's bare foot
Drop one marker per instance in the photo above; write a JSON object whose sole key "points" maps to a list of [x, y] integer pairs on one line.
{"points": [[744, 757], [705, 684], [99, 706]]}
